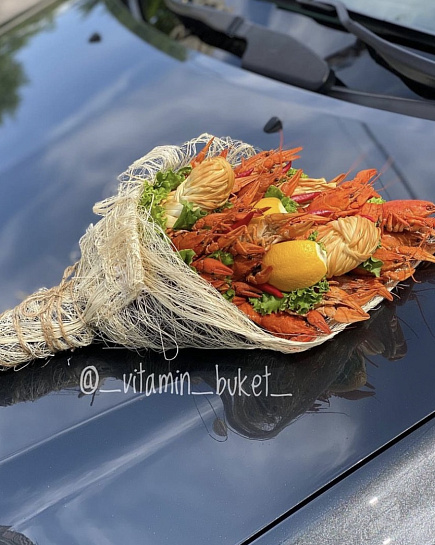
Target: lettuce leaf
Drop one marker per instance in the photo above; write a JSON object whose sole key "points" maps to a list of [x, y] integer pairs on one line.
{"points": [[289, 204], [267, 304], [187, 256], [373, 265], [224, 257], [229, 294], [303, 300], [154, 194], [225, 206], [300, 301], [377, 200], [170, 180], [292, 171], [189, 216], [150, 200]]}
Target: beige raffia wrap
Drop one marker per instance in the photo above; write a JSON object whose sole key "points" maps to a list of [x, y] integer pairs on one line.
{"points": [[130, 288]]}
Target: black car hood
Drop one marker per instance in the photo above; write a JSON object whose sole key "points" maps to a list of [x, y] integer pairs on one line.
{"points": [[119, 466]]}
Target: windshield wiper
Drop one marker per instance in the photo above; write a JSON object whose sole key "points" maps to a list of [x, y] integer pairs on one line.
{"points": [[405, 63], [262, 50], [282, 57]]}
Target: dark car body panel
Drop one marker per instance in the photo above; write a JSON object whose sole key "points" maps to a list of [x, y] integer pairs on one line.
{"points": [[175, 468], [119, 467], [376, 504]]}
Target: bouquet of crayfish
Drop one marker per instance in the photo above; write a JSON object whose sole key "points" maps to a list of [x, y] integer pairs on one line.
{"points": [[224, 247]]}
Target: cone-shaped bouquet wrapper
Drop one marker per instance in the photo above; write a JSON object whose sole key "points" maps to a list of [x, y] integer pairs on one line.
{"points": [[129, 286]]}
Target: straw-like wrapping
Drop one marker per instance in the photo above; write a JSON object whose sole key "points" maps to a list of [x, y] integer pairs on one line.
{"points": [[130, 288]]}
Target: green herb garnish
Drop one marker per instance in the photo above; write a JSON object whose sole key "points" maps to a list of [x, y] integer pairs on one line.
{"points": [[373, 265], [229, 294], [299, 301], [267, 303], [289, 204], [292, 171], [170, 180], [149, 201], [187, 256], [224, 257], [154, 194], [225, 206], [189, 216], [377, 200]]}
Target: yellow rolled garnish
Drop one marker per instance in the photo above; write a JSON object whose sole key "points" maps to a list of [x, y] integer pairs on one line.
{"points": [[208, 186], [349, 242]]}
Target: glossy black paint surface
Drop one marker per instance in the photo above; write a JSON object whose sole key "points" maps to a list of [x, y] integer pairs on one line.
{"points": [[175, 468], [388, 500], [123, 467]]}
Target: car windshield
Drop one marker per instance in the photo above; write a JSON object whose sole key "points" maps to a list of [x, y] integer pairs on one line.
{"points": [[417, 14]]}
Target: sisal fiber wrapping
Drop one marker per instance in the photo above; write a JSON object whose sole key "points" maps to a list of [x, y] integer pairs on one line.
{"points": [[129, 287]]}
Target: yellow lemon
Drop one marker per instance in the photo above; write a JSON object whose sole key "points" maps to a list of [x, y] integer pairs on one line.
{"points": [[274, 204], [296, 264]]}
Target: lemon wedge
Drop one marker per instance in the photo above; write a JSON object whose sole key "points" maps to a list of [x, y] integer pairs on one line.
{"points": [[274, 204], [296, 264]]}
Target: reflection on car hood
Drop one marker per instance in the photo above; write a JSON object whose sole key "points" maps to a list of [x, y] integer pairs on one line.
{"points": [[153, 447], [122, 466]]}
